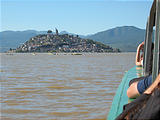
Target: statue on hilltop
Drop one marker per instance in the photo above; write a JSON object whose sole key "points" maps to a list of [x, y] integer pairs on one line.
{"points": [[57, 31]]}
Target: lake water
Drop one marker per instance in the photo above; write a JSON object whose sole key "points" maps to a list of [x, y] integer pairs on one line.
{"points": [[60, 87]]}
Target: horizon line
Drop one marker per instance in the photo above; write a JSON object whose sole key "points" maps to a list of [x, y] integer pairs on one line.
{"points": [[68, 31]]}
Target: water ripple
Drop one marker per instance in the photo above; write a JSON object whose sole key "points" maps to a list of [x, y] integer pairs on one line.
{"points": [[61, 86]]}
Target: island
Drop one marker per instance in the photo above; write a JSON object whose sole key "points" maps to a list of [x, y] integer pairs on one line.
{"points": [[61, 43]]}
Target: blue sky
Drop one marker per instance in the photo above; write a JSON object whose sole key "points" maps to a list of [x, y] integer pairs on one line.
{"points": [[75, 16]]}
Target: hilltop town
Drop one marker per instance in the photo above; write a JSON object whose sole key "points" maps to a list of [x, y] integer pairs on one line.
{"points": [[62, 43]]}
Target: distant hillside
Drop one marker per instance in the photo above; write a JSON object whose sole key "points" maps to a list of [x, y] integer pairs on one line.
{"points": [[125, 38], [62, 43], [13, 39]]}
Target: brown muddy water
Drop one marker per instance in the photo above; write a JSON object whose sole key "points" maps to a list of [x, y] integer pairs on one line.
{"points": [[60, 87]]}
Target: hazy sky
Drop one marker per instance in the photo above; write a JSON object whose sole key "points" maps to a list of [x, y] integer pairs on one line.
{"points": [[75, 16]]}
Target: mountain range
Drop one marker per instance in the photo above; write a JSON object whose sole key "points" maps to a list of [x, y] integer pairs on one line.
{"points": [[126, 38]]}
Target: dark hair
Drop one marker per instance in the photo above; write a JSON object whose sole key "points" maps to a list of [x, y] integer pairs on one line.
{"points": [[146, 106]]}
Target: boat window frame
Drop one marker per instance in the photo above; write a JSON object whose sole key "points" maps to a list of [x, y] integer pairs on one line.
{"points": [[156, 55], [148, 41]]}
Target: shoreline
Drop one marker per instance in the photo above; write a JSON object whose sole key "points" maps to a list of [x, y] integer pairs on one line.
{"points": [[78, 53]]}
